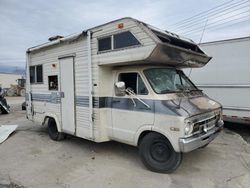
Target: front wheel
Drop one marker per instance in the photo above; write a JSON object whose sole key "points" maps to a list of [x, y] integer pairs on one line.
{"points": [[158, 155], [53, 132]]}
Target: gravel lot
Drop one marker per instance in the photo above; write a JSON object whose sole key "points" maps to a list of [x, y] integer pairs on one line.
{"points": [[28, 158]]}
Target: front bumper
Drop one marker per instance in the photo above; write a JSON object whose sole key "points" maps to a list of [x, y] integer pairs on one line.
{"points": [[199, 140]]}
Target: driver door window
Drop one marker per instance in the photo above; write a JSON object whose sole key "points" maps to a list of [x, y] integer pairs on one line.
{"points": [[134, 82]]}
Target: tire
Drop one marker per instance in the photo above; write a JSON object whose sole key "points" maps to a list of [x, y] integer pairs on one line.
{"points": [[24, 106], [157, 153], [53, 132], [22, 92], [2, 110]]}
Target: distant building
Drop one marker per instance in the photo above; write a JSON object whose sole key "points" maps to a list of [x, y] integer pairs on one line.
{"points": [[6, 79]]}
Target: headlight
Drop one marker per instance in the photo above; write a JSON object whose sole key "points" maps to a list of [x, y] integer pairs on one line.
{"points": [[188, 128]]}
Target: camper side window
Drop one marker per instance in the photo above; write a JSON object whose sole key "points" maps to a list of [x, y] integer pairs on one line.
{"points": [[125, 39], [53, 82], [36, 74], [117, 41], [134, 82], [104, 44], [39, 74]]}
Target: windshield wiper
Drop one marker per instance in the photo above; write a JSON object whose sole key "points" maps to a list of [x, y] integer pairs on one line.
{"points": [[169, 91], [195, 90]]}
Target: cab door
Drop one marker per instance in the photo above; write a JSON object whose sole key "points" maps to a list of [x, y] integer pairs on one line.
{"points": [[129, 113]]}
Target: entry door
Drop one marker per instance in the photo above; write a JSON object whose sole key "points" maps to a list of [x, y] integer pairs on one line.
{"points": [[68, 94]]}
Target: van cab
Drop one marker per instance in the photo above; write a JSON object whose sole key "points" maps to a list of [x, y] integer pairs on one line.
{"points": [[164, 100]]}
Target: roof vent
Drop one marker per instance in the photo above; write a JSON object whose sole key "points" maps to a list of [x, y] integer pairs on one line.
{"points": [[56, 37]]}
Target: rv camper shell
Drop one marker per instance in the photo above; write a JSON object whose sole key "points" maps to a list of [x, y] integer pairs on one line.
{"points": [[102, 85]]}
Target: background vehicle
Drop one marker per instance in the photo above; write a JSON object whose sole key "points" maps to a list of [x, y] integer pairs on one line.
{"points": [[4, 107], [227, 77], [17, 89]]}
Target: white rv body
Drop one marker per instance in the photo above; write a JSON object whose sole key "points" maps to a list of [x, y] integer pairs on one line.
{"points": [[226, 78], [85, 102]]}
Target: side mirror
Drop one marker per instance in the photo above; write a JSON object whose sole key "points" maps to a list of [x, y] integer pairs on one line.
{"points": [[120, 89]]}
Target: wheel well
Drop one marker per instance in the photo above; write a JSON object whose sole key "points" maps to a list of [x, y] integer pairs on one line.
{"points": [[46, 119], [144, 133]]}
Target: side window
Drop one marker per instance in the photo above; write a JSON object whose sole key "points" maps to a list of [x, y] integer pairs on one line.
{"points": [[117, 41], [104, 44], [32, 74], [134, 82], [53, 82], [36, 74], [39, 74], [125, 39]]}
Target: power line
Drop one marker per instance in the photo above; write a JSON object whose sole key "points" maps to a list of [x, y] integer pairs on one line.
{"points": [[200, 13], [194, 31], [200, 21], [223, 19], [208, 28], [212, 11], [243, 21], [215, 29]]}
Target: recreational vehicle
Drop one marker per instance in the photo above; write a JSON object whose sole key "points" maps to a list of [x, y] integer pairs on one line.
{"points": [[123, 81], [230, 80]]}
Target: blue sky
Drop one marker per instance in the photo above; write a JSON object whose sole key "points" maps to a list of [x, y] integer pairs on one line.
{"points": [[30, 22]]}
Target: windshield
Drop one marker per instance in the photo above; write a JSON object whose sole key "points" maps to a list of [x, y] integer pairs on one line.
{"points": [[167, 80]]}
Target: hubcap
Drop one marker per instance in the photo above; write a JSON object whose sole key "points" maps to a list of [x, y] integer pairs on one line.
{"points": [[160, 151]]}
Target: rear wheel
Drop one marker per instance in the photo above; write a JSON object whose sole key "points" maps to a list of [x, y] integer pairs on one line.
{"points": [[53, 132], [157, 153], [22, 92]]}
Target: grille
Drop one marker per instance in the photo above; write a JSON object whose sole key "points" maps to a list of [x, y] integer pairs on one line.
{"points": [[209, 123]]}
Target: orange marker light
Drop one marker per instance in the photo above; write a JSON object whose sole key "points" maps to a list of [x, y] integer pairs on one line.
{"points": [[120, 25]]}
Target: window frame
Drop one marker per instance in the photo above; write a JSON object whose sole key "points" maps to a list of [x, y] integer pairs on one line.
{"points": [[112, 42], [35, 74], [55, 75], [144, 82], [137, 81], [124, 46]]}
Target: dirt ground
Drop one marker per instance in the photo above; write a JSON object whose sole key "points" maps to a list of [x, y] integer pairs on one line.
{"points": [[28, 158]]}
